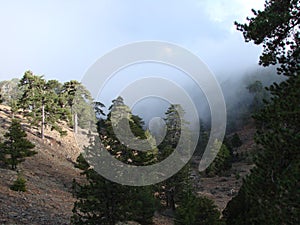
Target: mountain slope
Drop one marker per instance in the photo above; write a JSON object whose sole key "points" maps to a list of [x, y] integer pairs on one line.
{"points": [[49, 176], [50, 173]]}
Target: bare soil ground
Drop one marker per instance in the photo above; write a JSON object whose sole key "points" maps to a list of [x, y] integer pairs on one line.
{"points": [[222, 189], [49, 176]]}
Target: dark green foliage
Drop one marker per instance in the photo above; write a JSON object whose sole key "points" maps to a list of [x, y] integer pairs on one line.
{"points": [[270, 194], [171, 189], [19, 184], [236, 141], [197, 211], [173, 122], [41, 102], [136, 126], [98, 109], [54, 113], [222, 162], [16, 147], [48, 103], [142, 204], [122, 119], [178, 134], [79, 101], [99, 202], [277, 28], [32, 87], [102, 201]]}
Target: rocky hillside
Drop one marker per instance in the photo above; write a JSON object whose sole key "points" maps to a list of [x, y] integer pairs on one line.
{"points": [[49, 176], [222, 188], [50, 173]]}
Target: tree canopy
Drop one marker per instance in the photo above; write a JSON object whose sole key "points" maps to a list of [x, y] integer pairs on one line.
{"points": [[270, 194]]}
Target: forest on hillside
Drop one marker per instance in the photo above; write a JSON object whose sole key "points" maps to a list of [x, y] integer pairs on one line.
{"points": [[269, 194]]}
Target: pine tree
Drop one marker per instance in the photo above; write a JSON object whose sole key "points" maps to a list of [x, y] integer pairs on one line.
{"points": [[68, 94], [102, 201], [16, 147], [222, 162], [197, 210], [19, 184], [193, 209], [270, 194], [41, 103], [30, 101], [141, 199], [125, 152], [80, 102], [171, 189]]}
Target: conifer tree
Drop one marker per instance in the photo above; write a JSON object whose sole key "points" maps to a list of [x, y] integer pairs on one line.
{"points": [[172, 188], [16, 147], [196, 210], [78, 99], [102, 201], [193, 209], [40, 102], [270, 194], [222, 162], [122, 117], [69, 93]]}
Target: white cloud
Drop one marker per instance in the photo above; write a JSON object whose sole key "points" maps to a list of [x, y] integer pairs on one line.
{"points": [[63, 38]]}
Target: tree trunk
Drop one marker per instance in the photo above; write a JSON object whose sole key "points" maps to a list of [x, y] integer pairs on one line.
{"points": [[33, 106], [75, 123], [170, 198], [43, 122]]}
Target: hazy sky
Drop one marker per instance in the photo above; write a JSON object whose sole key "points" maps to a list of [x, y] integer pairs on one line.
{"points": [[62, 39]]}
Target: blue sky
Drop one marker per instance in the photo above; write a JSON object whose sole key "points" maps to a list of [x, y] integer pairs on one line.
{"points": [[62, 39]]}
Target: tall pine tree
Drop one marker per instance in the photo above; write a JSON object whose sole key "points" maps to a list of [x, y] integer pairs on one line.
{"points": [[102, 201], [40, 102], [171, 189], [270, 194]]}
